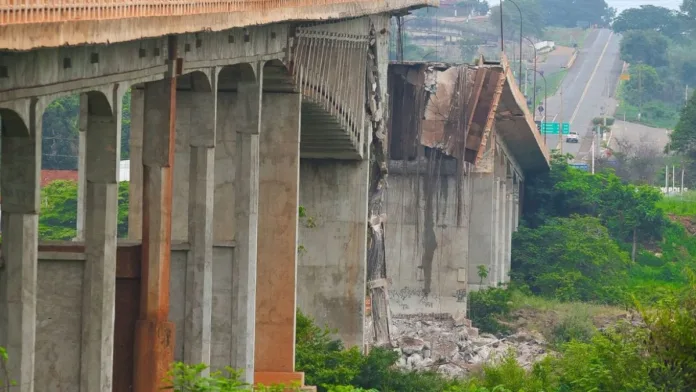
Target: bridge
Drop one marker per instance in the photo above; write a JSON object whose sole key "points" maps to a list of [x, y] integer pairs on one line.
{"points": [[241, 113]]}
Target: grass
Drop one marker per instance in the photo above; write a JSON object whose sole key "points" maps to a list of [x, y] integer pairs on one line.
{"points": [[554, 81], [680, 205], [560, 321], [564, 36]]}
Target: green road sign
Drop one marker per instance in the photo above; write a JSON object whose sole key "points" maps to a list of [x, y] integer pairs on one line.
{"points": [[552, 128]]}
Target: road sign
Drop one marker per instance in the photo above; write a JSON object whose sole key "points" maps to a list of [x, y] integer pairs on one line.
{"points": [[581, 166], [553, 128], [540, 109]]}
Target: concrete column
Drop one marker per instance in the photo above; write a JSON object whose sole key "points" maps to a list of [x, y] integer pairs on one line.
{"points": [[495, 263], [510, 228], [20, 189], [481, 227], [501, 250], [332, 266], [81, 182], [199, 266], [103, 152], [154, 335], [246, 229], [135, 185], [277, 244]]}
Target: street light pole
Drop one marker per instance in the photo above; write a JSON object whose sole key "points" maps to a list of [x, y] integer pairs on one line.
{"points": [[519, 78], [543, 120], [502, 37], [535, 72]]}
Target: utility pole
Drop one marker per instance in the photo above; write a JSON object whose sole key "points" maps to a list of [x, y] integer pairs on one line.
{"points": [[526, 75], [681, 190], [673, 177], [560, 131], [667, 180], [593, 148]]}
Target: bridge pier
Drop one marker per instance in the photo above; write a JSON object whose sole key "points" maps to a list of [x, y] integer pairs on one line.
{"points": [[277, 242], [101, 164], [21, 194], [154, 347]]}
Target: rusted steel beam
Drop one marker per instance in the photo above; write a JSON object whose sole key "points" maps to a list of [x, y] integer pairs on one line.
{"points": [[154, 335]]}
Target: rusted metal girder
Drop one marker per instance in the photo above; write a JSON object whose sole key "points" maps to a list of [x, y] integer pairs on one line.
{"points": [[154, 334]]}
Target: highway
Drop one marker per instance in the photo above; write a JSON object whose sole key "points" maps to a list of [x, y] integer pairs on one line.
{"points": [[588, 90]]}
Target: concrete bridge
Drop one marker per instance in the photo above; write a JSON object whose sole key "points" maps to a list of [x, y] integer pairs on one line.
{"points": [[241, 112]]}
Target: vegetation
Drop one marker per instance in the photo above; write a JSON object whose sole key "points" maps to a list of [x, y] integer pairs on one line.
{"points": [[659, 44], [58, 218], [5, 382]]}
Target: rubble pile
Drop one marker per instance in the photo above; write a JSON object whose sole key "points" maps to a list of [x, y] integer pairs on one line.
{"points": [[450, 345]]}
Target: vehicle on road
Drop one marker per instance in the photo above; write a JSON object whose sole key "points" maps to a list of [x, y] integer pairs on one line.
{"points": [[572, 137]]}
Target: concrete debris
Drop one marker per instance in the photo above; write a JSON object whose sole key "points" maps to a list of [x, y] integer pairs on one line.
{"points": [[450, 346]]}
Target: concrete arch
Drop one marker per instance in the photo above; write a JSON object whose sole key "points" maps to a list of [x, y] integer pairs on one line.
{"points": [[277, 77], [201, 80], [231, 75], [12, 124]]}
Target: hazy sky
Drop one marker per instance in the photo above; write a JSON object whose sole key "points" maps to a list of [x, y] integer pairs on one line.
{"points": [[621, 5]]}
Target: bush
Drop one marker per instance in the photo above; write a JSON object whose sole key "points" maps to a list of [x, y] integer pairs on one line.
{"points": [[190, 378], [574, 326], [487, 307]]}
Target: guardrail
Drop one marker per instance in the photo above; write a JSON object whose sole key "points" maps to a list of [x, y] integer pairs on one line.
{"points": [[45, 11]]}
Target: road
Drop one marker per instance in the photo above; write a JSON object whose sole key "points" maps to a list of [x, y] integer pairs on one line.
{"points": [[588, 90]]}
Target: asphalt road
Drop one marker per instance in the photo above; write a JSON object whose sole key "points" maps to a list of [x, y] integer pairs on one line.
{"points": [[588, 90]]}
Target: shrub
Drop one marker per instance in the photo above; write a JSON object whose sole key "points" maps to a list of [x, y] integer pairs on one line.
{"points": [[189, 378], [5, 382], [486, 307], [574, 326]]}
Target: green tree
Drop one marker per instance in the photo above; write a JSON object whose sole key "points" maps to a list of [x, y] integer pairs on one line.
{"points": [[60, 140], [644, 46], [574, 13], [683, 138], [649, 17], [532, 19], [58, 218], [643, 86], [572, 259]]}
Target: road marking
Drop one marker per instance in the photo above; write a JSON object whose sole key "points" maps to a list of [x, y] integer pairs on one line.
{"points": [[589, 82]]}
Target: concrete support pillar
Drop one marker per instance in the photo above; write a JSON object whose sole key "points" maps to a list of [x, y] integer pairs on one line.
{"points": [[481, 228], [501, 250], [103, 151], [332, 265], [495, 254], [81, 159], [135, 185], [21, 194], [277, 243], [199, 266], [247, 222], [510, 217], [154, 335]]}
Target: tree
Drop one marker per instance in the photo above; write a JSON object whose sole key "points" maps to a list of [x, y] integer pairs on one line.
{"points": [[570, 259], [478, 7], [643, 86], [683, 138], [532, 19], [651, 18], [574, 13], [644, 46], [58, 218]]}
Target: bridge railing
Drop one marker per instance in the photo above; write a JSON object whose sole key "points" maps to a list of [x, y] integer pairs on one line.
{"points": [[44, 11]]}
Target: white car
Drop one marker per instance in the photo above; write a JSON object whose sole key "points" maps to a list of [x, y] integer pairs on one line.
{"points": [[572, 137]]}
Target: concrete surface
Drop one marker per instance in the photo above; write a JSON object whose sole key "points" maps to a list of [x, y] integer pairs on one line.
{"points": [[332, 262], [428, 211], [638, 134], [171, 19]]}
